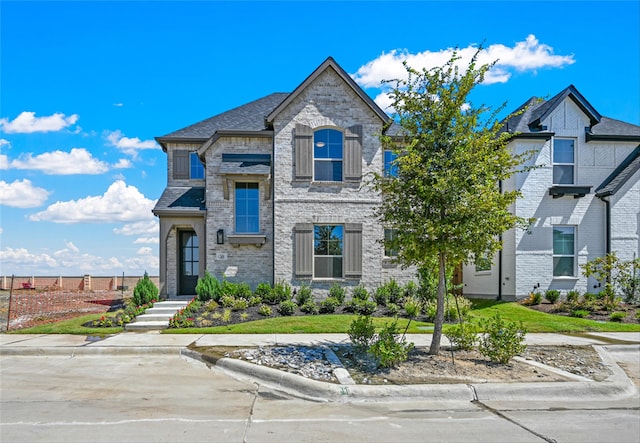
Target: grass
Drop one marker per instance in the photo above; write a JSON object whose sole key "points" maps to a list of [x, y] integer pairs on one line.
{"points": [[533, 321]]}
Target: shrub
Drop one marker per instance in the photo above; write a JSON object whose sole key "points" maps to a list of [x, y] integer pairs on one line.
{"points": [[227, 301], [362, 307], [309, 307], [451, 306], [208, 288], [388, 349], [287, 307], [360, 293], [393, 291], [411, 289], [264, 291], [412, 307], [361, 332], [502, 340], [552, 295], [265, 310], [617, 316], [304, 295], [534, 298], [145, 291], [336, 291], [381, 296], [580, 313], [329, 305], [281, 292], [226, 316], [211, 306], [240, 304], [393, 309], [243, 290], [255, 300], [463, 336], [573, 296]]}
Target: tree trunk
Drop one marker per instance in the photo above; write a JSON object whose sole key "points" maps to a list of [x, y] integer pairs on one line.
{"points": [[437, 325]]}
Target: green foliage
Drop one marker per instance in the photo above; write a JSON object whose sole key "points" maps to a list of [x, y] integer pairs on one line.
{"points": [[618, 277], [534, 298], [381, 295], [445, 202], [463, 336], [411, 289], [145, 291], [552, 295], [304, 295], [264, 291], [617, 316], [227, 301], [255, 300], [281, 292], [393, 309], [336, 291], [388, 348], [361, 333], [208, 287], [360, 293], [502, 340], [452, 305], [185, 317], [240, 304], [573, 296], [329, 305], [309, 307], [362, 307], [287, 307], [265, 310], [412, 307]]}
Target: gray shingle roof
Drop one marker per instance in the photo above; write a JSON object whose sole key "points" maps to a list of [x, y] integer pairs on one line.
{"points": [[180, 198], [620, 175], [247, 117]]}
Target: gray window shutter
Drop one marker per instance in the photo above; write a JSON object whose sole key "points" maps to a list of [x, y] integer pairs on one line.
{"points": [[180, 164], [353, 250], [303, 152], [353, 153], [303, 250]]}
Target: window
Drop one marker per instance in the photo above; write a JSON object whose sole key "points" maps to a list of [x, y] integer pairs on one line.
{"points": [[483, 263], [327, 155], [196, 169], [563, 161], [327, 251], [247, 208], [390, 235], [564, 251], [390, 169]]}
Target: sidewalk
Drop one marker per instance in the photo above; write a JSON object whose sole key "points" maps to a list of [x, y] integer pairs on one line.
{"points": [[613, 348]]}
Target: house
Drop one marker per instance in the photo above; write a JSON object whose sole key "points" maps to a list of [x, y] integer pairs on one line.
{"points": [[583, 195], [272, 191]]}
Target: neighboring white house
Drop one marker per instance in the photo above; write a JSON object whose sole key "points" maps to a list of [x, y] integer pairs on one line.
{"points": [[584, 196], [271, 191]]}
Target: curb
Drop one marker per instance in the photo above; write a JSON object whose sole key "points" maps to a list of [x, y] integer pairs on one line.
{"points": [[72, 351]]}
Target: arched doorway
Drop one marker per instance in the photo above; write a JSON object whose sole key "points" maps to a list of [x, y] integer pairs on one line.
{"points": [[189, 262]]}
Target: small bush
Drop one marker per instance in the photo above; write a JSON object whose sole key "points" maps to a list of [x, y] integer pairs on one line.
{"points": [[208, 287], [304, 295], [580, 313], [451, 306], [336, 291], [240, 304], [263, 290], [226, 316], [360, 293], [381, 296], [552, 295], [329, 305], [362, 307], [265, 310], [309, 307], [534, 298], [412, 307], [145, 291], [255, 300], [502, 340], [589, 298], [411, 289], [361, 332], [287, 307], [388, 349], [227, 301], [573, 296], [393, 309], [463, 336], [211, 306], [617, 316], [282, 292]]}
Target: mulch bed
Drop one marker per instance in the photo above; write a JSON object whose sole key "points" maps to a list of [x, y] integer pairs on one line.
{"points": [[597, 315]]}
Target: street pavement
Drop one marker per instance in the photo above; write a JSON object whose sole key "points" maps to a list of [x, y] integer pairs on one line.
{"points": [[144, 387]]}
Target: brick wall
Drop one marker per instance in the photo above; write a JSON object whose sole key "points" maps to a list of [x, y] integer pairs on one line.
{"points": [[72, 283]]}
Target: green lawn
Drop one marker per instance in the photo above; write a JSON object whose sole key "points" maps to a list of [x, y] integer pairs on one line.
{"points": [[533, 320]]}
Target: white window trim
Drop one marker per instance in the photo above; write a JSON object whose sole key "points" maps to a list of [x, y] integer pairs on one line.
{"points": [[575, 155], [574, 255]]}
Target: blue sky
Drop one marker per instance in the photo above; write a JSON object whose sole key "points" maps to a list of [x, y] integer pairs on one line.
{"points": [[86, 86]]}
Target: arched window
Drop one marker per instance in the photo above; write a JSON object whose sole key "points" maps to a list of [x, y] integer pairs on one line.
{"points": [[327, 155]]}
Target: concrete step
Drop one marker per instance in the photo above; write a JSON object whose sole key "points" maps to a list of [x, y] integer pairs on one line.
{"points": [[154, 317], [169, 311], [171, 304], [147, 325], [158, 317]]}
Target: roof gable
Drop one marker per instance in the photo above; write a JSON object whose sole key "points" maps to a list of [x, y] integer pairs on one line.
{"points": [[329, 63], [620, 175], [546, 108]]}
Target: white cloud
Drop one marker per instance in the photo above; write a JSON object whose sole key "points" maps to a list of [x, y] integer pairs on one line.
{"points": [[145, 251], [120, 203], [118, 105], [27, 122], [77, 161], [19, 257], [123, 163], [4, 162], [130, 146], [22, 194], [142, 240], [4, 142], [526, 55], [71, 246], [139, 228]]}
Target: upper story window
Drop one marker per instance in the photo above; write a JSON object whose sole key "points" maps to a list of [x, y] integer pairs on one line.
{"points": [[564, 254], [327, 155], [196, 169], [563, 161], [390, 168], [327, 251], [390, 235], [247, 208]]}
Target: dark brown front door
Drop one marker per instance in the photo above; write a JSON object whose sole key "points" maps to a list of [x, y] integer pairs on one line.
{"points": [[189, 262]]}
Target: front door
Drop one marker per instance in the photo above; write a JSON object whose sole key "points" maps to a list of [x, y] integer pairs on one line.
{"points": [[189, 262]]}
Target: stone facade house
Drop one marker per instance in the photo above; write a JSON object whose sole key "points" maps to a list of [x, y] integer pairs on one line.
{"points": [[273, 191], [584, 197]]}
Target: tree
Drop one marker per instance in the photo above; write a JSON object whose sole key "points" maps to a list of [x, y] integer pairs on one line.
{"points": [[444, 200]]}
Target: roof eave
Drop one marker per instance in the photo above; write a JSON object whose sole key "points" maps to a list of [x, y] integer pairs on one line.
{"points": [[611, 138], [180, 212], [231, 133]]}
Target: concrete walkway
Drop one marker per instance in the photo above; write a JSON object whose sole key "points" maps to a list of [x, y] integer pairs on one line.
{"points": [[613, 348]]}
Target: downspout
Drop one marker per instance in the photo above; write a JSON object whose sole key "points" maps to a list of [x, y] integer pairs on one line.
{"points": [[607, 215], [500, 257]]}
